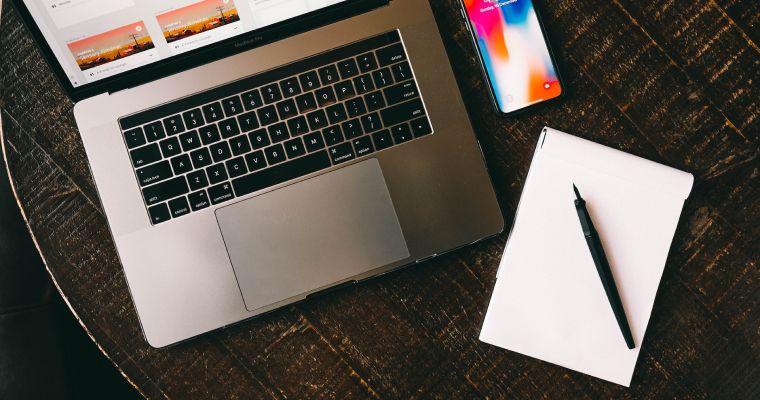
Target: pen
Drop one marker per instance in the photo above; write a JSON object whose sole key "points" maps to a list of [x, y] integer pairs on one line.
{"points": [[602, 267]]}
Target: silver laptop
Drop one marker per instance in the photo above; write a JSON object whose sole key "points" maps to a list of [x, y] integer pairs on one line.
{"points": [[250, 154]]}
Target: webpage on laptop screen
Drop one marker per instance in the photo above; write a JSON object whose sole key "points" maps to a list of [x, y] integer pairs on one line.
{"points": [[96, 39]]}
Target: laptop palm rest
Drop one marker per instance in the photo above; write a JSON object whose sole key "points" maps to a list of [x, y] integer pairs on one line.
{"points": [[312, 235]]}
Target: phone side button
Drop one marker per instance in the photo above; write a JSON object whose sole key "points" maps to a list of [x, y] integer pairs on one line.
{"points": [[464, 19]]}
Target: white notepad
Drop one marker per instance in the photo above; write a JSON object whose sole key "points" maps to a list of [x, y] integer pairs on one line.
{"points": [[549, 302]]}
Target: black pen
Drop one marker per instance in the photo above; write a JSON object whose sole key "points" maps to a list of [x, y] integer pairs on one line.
{"points": [[603, 267]]}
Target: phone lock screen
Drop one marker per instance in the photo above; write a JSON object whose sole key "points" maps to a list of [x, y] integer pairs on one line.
{"points": [[514, 52]]}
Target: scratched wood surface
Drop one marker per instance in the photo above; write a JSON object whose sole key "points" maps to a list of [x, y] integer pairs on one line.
{"points": [[674, 81]]}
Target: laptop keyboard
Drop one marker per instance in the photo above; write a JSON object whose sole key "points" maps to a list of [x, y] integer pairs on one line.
{"points": [[279, 125]]}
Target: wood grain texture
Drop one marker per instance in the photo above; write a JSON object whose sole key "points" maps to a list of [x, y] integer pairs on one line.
{"points": [[674, 81]]}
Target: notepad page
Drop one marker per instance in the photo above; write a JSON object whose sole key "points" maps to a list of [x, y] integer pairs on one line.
{"points": [[549, 302]]}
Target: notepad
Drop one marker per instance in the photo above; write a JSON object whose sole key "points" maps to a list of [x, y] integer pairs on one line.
{"points": [[549, 302]]}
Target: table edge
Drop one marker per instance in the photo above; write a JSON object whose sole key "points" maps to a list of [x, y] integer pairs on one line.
{"points": [[11, 181]]}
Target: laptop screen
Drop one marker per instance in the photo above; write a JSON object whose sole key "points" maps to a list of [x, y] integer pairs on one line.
{"points": [[97, 39]]}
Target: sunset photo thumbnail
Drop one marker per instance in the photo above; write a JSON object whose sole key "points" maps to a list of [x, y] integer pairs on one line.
{"points": [[110, 46], [197, 18]]}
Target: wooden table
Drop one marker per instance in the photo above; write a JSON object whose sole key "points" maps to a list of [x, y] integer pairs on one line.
{"points": [[676, 82]]}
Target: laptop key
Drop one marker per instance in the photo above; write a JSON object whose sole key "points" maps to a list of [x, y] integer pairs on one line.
{"points": [[363, 146], [382, 78], [382, 139], [367, 62], [348, 68], [248, 121], [336, 113], [271, 93], [402, 112], [421, 127], [375, 101], [197, 180], [356, 107], [182, 164], [364, 84], [275, 154], [325, 96], [216, 173], [220, 151], [281, 173], [267, 115], [255, 161], [401, 92], [294, 148], [193, 118], [190, 140], [259, 139], [166, 190], [317, 119], [287, 109], [170, 147], [391, 54], [278, 132], [134, 138], [220, 193], [252, 99], [209, 134], [333, 135], [200, 158], [145, 155], [179, 207], [229, 128], [401, 133], [298, 126], [352, 129], [236, 167], [328, 75], [240, 145], [154, 131], [290, 87], [371, 123], [345, 90], [232, 106], [309, 80], [174, 125], [159, 214], [212, 112], [154, 173], [314, 142], [341, 153], [198, 200], [306, 102], [402, 71]]}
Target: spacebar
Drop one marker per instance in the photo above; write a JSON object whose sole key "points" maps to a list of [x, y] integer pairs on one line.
{"points": [[281, 173]]}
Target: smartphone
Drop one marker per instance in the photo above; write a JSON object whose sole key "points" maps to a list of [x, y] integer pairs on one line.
{"points": [[514, 53]]}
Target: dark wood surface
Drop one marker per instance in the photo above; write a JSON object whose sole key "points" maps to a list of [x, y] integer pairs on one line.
{"points": [[674, 81]]}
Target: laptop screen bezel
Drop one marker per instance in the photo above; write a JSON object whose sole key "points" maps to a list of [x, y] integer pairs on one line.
{"points": [[178, 63]]}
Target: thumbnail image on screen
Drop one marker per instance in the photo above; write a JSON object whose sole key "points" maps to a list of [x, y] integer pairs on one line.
{"points": [[197, 18], [110, 46]]}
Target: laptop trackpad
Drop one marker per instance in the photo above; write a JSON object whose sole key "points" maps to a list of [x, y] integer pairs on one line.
{"points": [[312, 234]]}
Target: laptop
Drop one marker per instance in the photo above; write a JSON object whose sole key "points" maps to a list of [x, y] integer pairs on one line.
{"points": [[250, 154]]}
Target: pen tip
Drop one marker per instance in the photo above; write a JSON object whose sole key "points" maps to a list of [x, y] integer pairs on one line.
{"points": [[577, 193]]}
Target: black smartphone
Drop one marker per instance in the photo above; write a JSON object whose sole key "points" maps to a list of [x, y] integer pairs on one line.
{"points": [[515, 56]]}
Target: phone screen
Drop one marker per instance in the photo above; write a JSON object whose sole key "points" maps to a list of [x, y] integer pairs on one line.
{"points": [[514, 52]]}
